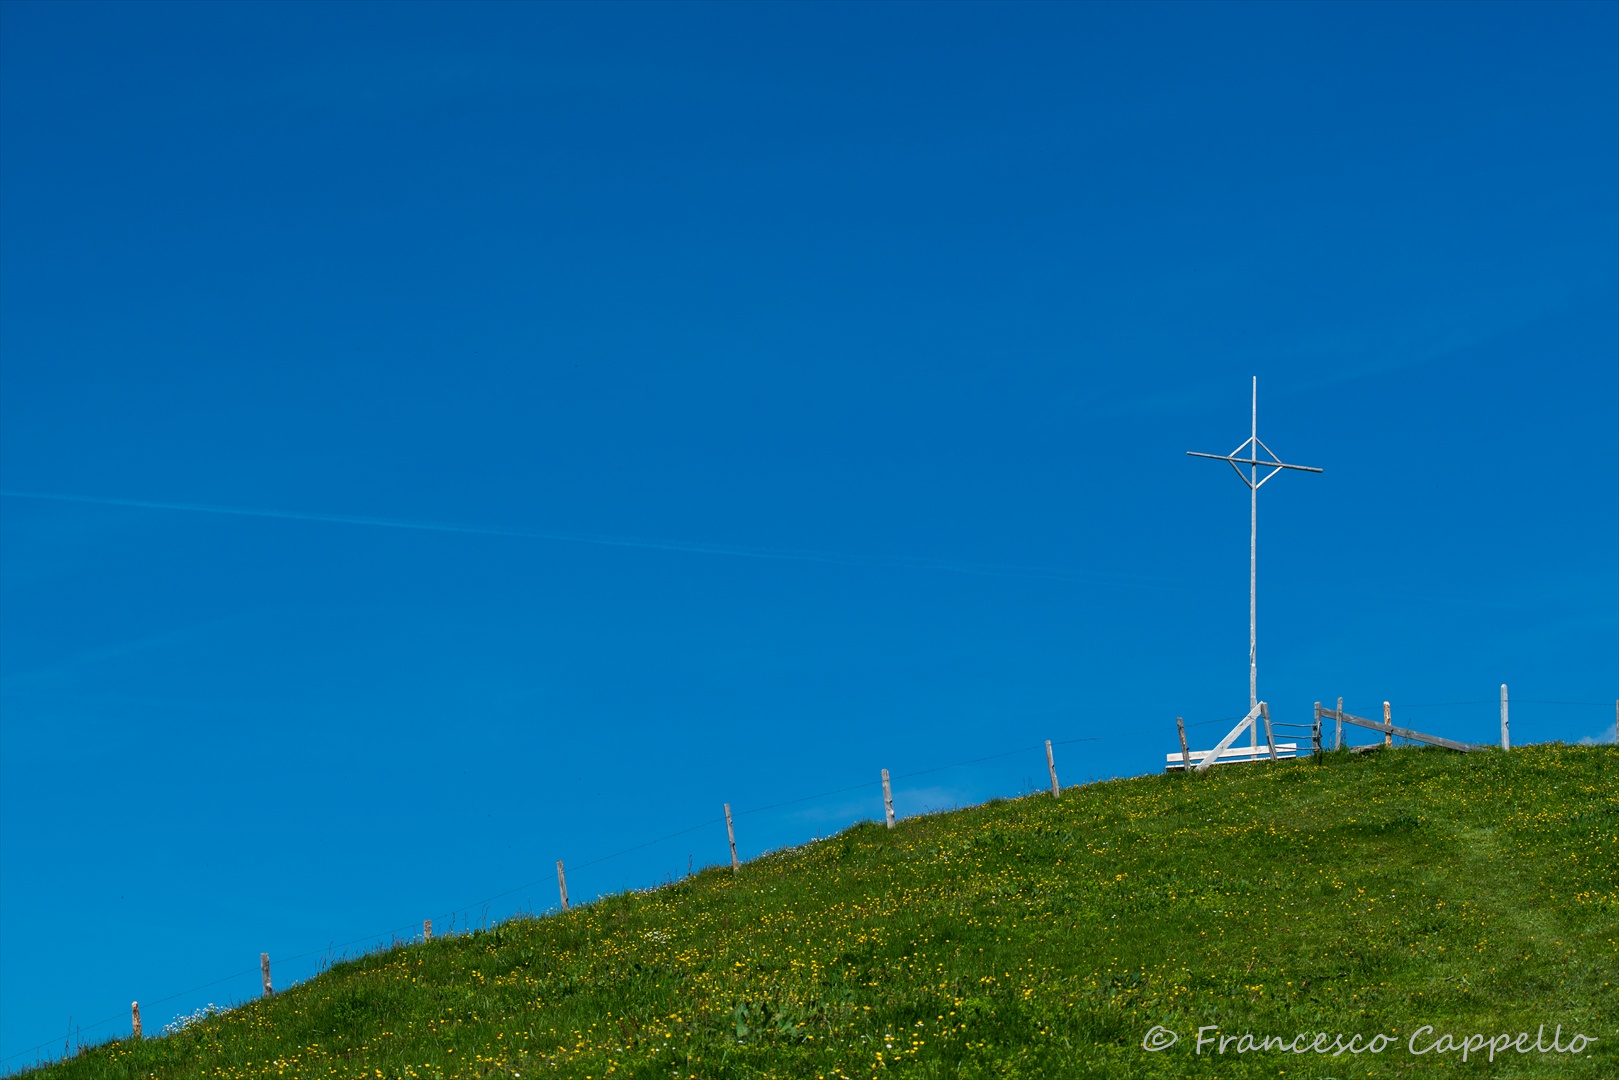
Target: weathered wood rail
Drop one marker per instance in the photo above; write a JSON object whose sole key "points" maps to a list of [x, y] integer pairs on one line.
{"points": [[1387, 729]]}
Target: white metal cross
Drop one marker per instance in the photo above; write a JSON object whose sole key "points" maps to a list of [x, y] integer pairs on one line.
{"points": [[1253, 446]]}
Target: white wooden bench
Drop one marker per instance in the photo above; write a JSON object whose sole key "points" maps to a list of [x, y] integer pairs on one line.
{"points": [[1232, 755]]}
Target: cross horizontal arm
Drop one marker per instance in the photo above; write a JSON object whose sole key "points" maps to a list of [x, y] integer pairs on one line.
{"points": [[1255, 461]]}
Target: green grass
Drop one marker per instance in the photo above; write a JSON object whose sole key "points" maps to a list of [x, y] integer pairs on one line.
{"points": [[1029, 938]]}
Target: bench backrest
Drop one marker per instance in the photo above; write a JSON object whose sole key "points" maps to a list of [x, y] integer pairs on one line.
{"points": [[1233, 755]]}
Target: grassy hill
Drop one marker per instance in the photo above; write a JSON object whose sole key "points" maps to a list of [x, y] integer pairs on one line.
{"points": [[1037, 937]]}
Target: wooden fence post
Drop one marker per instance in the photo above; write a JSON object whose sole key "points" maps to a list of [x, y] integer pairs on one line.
{"points": [[1270, 740], [135, 1019], [730, 834], [1338, 739], [1051, 765], [1186, 755], [427, 929], [562, 885], [1315, 731], [1506, 742], [888, 800], [264, 969], [1388, 722]]}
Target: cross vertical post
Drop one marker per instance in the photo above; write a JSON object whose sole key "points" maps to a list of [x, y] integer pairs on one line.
{"points": [[1253, 559], [1254, 481]]}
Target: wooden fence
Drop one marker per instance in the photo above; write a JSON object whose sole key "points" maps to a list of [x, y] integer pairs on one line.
{"points": [[1386, 726], [1225, 753]]}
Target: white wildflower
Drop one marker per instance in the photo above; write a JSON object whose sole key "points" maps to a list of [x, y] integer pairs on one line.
{"points": [[180, 1023]]}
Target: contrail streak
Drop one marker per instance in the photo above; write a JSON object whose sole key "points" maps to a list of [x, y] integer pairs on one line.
{"points": [[735, 551]]}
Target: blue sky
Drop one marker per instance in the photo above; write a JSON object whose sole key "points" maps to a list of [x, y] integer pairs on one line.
{"points": [[774, 394]]}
